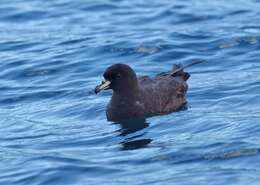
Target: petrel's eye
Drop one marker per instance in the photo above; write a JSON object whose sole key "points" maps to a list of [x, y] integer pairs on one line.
{"points": [[115, 76]]}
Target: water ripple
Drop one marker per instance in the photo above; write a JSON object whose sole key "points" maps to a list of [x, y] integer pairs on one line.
{"points": [[54, 128]]}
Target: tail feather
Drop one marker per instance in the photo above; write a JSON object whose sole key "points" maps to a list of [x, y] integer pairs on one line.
{"points": [[178, 70]]}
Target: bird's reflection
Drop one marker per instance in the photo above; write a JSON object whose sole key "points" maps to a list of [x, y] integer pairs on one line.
{"points": [[133, 133]]}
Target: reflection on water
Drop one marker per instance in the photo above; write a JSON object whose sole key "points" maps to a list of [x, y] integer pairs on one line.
{"points": [[134, 133]]}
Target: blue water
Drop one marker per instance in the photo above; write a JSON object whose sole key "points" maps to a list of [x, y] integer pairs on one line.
{"points": [[54, 132]]}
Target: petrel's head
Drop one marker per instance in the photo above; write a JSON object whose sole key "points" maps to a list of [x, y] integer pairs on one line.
{"points": [[119, 78]]}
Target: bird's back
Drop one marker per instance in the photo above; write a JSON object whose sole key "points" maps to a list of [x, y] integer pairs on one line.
{"points": [[163, 93]]}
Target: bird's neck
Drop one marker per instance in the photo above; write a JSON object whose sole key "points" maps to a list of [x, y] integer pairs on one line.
{"points": [[129, 93]]}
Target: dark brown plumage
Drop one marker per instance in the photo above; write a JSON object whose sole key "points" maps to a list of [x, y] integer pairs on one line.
{"points": [[136, 97]]}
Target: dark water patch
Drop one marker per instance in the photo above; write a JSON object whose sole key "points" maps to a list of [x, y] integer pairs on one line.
{"points": [[190, 18], [27, 97], [17, 45], [74, 41], [239, 12], [26, 16], [100, 7]]}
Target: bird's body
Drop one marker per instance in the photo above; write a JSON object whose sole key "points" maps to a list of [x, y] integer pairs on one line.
{"points": [[155, 95], [139, 97]]}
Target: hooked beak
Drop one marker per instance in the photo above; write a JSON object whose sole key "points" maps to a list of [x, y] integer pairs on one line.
{"points": [[103, 86]]}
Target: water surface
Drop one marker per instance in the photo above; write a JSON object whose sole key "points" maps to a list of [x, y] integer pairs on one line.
{"points": [[54, 52]]}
